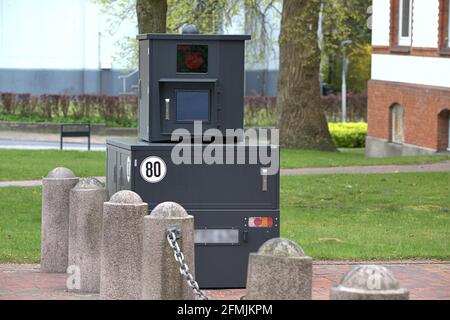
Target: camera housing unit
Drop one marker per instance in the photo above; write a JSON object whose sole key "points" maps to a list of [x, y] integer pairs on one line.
{"points": [[190, 77]]}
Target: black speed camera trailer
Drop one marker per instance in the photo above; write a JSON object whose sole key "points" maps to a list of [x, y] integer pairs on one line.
{"points": [[235, 207], [186, 78]]}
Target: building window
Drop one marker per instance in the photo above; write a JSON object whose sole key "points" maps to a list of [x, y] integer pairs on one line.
{"points": [[447, 27], [397, 123], [405, 22], [401, 23], [444, 25], [443, 130]]}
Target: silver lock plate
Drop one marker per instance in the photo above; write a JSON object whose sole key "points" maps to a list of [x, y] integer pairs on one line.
{"points": [[264, 172], [167, 101]]}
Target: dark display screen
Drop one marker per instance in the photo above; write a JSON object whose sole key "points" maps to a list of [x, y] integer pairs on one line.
{"points": [[192, 105], [192, 58]]}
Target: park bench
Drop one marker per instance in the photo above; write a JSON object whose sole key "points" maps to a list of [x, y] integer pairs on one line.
{"points": [[75, 130]]}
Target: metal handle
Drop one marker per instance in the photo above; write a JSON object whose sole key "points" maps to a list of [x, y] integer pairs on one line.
{"points": [[264, 180], [245, 236], [140, 89], [167, 109]]}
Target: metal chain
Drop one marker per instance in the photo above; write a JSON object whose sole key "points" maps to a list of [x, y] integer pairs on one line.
{"points": [[184, 269]]}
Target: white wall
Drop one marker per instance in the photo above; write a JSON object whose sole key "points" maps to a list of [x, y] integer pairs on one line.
{"points": [[404, 68], [30, 37], [74, 34], [411, 69], [425, 23], [55, 34], [380, 22]]}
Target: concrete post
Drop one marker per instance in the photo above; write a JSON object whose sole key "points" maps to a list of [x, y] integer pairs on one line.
{"points": [[86, 212], [121, 253], [55, 219], [278, 271], [161, 277], [369, 283]]}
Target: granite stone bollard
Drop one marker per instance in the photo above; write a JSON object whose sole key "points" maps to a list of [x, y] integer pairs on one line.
{"points": [[161, 278], [369, 282], [121, 253], [86, 214], [55, 219], [279, 270]]}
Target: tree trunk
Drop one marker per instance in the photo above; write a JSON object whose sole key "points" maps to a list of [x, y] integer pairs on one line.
{"points": [[151, 16], [300, 117]]}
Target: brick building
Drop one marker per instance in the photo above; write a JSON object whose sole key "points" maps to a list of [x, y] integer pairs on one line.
{"points": [[409, 94]]}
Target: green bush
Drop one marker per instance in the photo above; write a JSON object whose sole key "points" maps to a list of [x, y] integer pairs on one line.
{"points": [[117, 111], [348, 135]]}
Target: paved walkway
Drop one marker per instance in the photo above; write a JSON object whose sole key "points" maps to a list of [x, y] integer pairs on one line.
{"points": [[49, 145], [31, 183], [12, 139], [15, 135], [434, 167], [24, 140], [425, 280]]}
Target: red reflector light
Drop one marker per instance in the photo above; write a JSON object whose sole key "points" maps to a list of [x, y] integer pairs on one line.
{"points": [[260, 222]]}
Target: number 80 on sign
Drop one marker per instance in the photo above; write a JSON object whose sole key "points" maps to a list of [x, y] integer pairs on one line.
{"points": [[153, 169]]}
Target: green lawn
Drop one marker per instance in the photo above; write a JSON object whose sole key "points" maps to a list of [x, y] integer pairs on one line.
{"points": [[296, 158], [359, 217], [20, 224], [34, 164], [390, 216]]}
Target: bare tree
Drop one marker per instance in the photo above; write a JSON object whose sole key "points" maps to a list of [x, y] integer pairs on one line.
{"points": [[300, 117]]}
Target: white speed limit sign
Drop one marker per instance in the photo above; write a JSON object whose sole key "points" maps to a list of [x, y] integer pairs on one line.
{"points": [[153, 169]]}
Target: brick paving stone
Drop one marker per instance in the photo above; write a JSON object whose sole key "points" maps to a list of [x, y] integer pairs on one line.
{"points": [[426, 280]]}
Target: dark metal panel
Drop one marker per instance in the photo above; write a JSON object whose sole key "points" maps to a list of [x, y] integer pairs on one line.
{"points": [[218, 196], [186, 80], [231, 86], [225, 266], [165, 53], [143, 90], [118, 163], [225, 69], [124, 170], [127, 143], [234, 186], [168, 91], [111, 170], [165, 36]]}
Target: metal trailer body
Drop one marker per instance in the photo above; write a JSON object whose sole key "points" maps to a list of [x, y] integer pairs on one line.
{"points": [[177, 69], [222, 199]]}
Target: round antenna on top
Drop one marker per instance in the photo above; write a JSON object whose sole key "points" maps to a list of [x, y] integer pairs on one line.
{"points": [[190, 29]]}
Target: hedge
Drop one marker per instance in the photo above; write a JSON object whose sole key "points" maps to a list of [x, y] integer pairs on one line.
{"points": [[348, 135], [113, 110], [121, 110], [259, 108]]}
